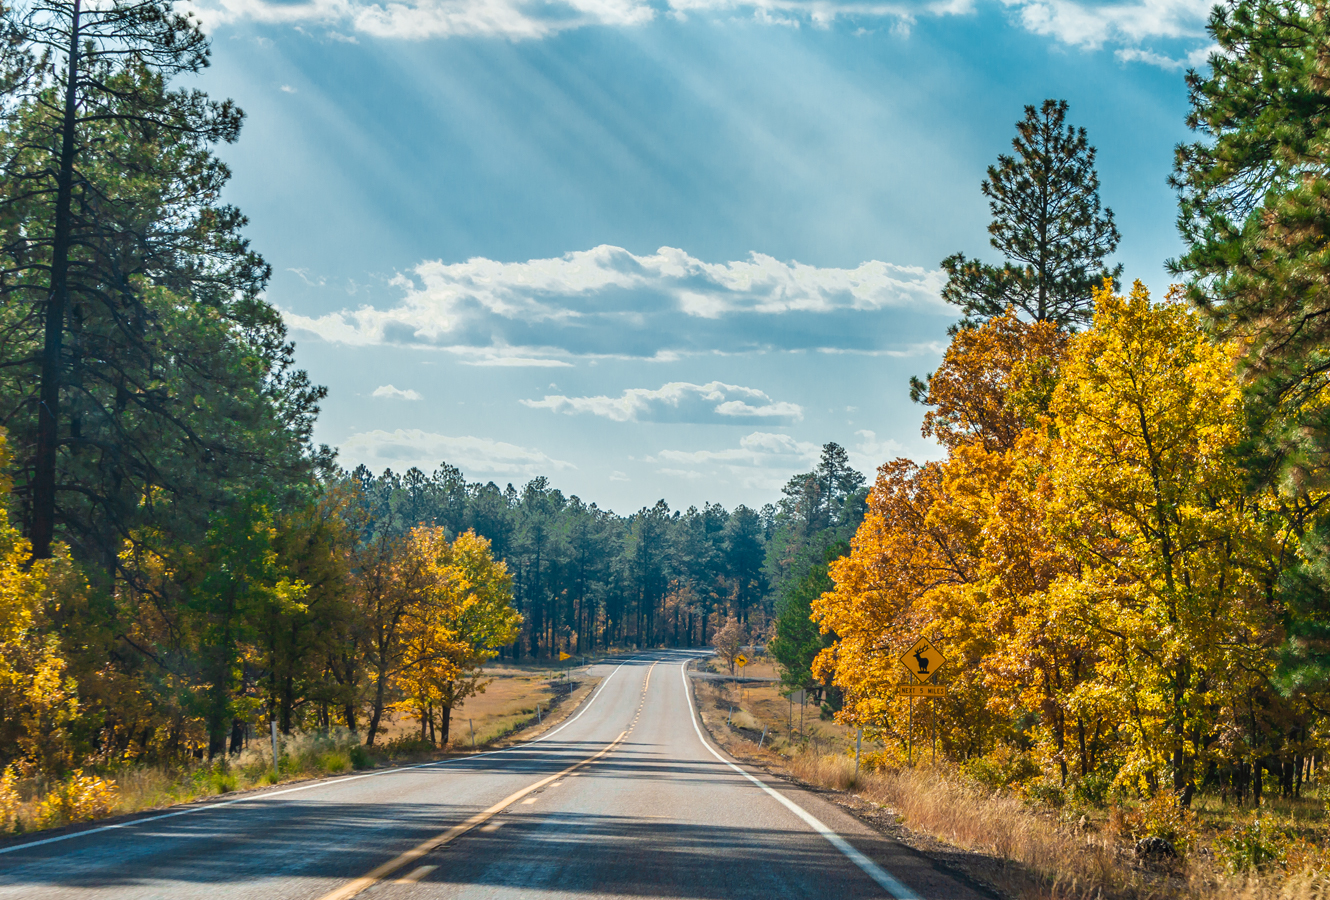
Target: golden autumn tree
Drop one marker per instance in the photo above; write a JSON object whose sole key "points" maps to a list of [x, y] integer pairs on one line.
{"points": [[38, 700], [462, 612], [1149, 501], [947, 548]]}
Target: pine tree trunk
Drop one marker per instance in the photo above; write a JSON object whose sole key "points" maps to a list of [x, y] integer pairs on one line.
{"points": [[43, 486]]}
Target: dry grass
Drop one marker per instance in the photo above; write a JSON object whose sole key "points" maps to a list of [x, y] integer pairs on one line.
{"points": [[504, 714], [1027, 850]]}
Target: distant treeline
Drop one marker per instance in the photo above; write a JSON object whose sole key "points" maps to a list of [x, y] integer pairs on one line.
{"points": [[586, 578]]}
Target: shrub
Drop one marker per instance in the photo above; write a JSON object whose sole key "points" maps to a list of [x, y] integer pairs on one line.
{"points": [[1255, 846], [9, 800], [1048, 793], [1091, 790], [1003, 768], [404, 746], [1160, 816], [80, 799], [335, 761], [359, 756]]}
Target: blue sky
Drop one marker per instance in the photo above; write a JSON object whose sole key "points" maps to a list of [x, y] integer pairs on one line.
{"points": [[659, 249]]}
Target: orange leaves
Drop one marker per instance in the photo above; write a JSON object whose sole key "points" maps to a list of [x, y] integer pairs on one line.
{"points": [[993, 383], [1084, 554]]}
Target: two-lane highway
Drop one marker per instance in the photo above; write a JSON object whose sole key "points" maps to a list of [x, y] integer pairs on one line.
{"points": [[626, 799]]}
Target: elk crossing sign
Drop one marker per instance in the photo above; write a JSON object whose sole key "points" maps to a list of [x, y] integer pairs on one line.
{"points": [[923, 660]]}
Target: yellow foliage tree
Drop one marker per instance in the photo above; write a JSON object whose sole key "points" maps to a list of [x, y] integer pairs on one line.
{"points": [[1149, 501], [38, 701], [461, 613]]}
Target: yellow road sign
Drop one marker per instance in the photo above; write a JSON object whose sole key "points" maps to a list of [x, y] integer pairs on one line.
{"points": [[920, 690], [563, 656], [923, 659], [741, 660]]}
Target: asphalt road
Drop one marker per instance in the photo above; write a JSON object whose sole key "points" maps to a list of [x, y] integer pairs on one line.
{"points": [[626, 799]]}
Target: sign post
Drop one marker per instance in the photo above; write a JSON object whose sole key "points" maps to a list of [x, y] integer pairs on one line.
{"points": [[922, 661]]}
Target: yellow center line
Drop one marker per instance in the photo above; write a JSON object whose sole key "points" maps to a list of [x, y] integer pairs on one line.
{"points": [[376, 875]]}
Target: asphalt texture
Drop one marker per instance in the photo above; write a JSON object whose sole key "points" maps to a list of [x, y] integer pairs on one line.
{"points": [[659, 814]]}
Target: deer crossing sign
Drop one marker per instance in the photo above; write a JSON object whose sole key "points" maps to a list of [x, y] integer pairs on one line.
{"points": [[923, 660]]}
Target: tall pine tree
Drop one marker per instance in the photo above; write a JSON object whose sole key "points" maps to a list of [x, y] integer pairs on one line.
{"points": [[1047, 224], [1254, 210]]}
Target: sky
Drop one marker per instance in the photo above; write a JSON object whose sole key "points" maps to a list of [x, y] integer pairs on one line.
{"points": [[659, 249]]}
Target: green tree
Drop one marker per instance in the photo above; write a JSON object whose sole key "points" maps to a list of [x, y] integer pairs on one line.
{"points": [[798, 638], [1047, 224], [1254, 211], [138, 354]]}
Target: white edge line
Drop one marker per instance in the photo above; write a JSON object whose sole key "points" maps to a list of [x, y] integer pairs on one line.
{"points": [[209, 807], [870, 868]]}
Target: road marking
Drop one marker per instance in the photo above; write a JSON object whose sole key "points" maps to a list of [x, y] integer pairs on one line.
{"points": [[351, 889], [870, 868], [529, 800], [415, 875], [212, 807]]}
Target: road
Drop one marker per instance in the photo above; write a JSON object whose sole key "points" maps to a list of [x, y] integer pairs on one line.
{"points": [[626, 799]]}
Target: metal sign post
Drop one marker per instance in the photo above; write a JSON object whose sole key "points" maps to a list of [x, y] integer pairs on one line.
{"points": [[922, 661]]}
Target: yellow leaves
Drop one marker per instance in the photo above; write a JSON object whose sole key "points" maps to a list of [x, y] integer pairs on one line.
{"points": [[460, 613], [1087, 553], [82, 798], [10, 801]]}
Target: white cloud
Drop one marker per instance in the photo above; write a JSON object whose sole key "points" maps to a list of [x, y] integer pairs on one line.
{"points": [[1191, 60], [677, 401], [608, 302], [520, 20], [388, 390], [1091, 25], [287, 89], [478, 457], [1080, 23]]}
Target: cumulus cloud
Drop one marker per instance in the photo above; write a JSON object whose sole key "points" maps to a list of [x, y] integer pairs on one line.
{"points": [[677, 401], [524, 20], [1091, 25], [477, 457], [387, 390], [612, 303], [1080, 23]]}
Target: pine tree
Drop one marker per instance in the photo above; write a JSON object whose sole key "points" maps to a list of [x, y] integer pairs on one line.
{"points": [[137, 352], [1047, 224], [1254, 210]]}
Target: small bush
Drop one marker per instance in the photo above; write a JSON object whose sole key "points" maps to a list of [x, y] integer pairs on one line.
{"points": [[335, 761], [405, 746], [359, 756], [82, 798], [1092, 790], [1255, 846], [1003, 768], [1160, 816], [1048, 793], [743, 719], [9, 800]]}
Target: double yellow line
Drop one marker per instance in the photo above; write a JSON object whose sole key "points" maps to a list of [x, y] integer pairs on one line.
{"points": [[365, 882]]}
